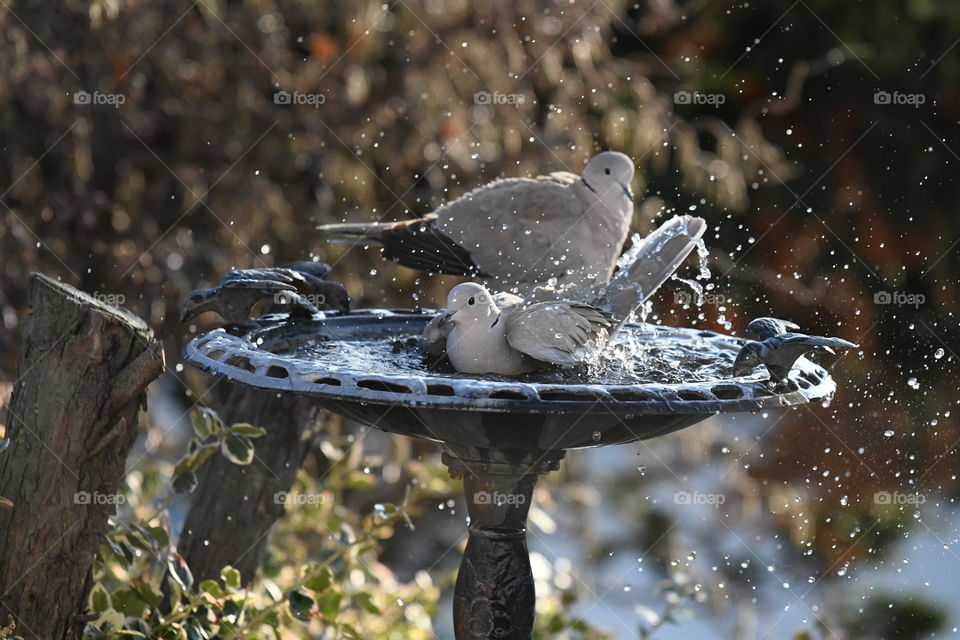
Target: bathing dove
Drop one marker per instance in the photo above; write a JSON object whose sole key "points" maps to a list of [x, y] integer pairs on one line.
{"points": [[779, 351], [486, 339], [298, 287], [647, 265], [518, 233], [765, 328]]}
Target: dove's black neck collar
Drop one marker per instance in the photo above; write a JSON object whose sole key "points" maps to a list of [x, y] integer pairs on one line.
{"points": [[587, 185], [495, 321]]}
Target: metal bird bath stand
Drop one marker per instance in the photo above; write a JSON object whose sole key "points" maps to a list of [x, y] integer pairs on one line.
{"points": [[497, 435]]}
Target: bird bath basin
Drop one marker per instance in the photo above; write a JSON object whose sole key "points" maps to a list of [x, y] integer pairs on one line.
{"points": [[497, 434]]}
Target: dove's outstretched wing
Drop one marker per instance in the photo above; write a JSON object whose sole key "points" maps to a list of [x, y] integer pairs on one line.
{"points": [[784, 350], [553, 331], [649, 263], [269, 280]]}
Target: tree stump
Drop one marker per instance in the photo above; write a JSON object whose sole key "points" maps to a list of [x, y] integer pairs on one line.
{"points": [[71, 421], [234, 507]]}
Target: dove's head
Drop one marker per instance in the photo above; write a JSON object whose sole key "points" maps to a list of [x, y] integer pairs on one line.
{"points": [[198, 302], [747, 359], [610, 172], [469, 302]]}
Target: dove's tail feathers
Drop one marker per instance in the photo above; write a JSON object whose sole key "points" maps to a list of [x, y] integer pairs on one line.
{"points": [[350, 231], [416, 244], [649, 264]]}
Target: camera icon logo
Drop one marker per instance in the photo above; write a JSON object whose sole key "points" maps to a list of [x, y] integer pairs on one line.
{"points": [[282, 97], [682, 497], [81, 97], [682, 297], [882, 297], [682, 97], [482, 97], [882, 97], [280, 497], [482, 497], [81, 497]]}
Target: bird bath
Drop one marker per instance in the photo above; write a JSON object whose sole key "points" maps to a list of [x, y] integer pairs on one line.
{"points": [[497, 435]]}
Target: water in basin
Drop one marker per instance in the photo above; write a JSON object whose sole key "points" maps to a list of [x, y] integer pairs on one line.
{"points": [[638, 356]]}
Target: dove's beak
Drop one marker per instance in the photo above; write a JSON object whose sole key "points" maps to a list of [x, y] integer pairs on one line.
{"points": [[626, 191]]}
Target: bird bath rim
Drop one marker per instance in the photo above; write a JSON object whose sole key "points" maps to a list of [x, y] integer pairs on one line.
{"points": [[265, 366]]}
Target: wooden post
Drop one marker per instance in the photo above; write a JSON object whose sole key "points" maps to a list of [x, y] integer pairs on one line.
{"points": [[234, 507], [71, 420]]}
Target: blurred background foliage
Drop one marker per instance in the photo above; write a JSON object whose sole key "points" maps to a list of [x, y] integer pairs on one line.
{"points": [[818, 197]]}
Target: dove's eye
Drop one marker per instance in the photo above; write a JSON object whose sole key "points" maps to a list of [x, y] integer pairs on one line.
{"points": [[470, 301], [607, 171]]}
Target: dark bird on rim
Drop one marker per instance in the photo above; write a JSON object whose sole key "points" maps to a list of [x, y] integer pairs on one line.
{"points": [[297, 288], [778, 350]]}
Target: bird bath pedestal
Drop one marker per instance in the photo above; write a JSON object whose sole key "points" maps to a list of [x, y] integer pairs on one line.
{"points": [[497, 435]]}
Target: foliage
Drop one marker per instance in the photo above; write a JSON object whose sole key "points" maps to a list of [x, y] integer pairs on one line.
{"points": [[324, 577]]}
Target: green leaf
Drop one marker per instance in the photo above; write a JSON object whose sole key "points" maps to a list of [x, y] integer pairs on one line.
{"points": [[137, 538], [160, 535], [360, 481], [206, 422], [230, 577], [301, 605], [128, 602], [144, 591], [211, 587], [365, 600], [320, 581], [248, 430], [329, 604], [99, 598], [185, 482], [179, 571], [237, 449]]}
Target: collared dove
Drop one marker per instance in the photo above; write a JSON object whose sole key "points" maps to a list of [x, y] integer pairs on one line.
{"points": [[299, 287], [647, 265], [780, 351], [518, 233], [521, 338]]}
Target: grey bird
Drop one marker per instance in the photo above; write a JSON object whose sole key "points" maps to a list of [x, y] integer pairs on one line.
{"points": [[518, 233], [642, 269], [779, 351], [486, 339], [765, 328], [299, 288]]}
